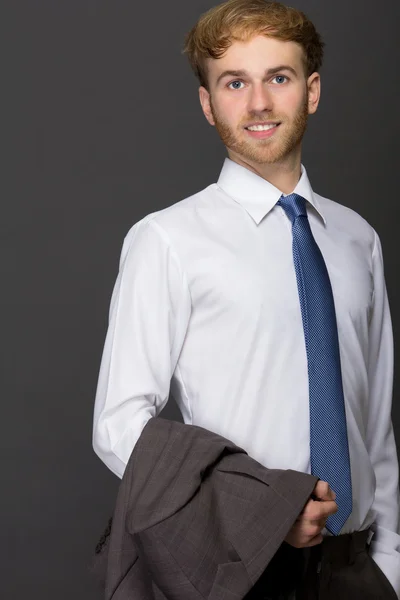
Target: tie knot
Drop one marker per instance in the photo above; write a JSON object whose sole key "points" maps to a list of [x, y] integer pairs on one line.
{"points": [[294, 206]]}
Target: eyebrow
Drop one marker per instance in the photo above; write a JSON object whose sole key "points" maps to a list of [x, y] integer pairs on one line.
{"points": [[268, 72]]}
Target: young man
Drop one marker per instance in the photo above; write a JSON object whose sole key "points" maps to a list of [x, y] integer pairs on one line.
{"points": [[263, 305]]}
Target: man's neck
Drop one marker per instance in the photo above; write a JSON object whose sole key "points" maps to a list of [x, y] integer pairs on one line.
{"points": [[283, 175]]}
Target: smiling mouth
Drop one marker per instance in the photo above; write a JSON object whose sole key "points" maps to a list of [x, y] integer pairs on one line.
{"points": [[265, 127]]}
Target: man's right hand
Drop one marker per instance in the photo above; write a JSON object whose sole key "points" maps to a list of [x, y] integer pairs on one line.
{"points": [[307, 528]]}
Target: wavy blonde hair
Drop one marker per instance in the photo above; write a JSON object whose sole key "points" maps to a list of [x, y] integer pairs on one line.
{"points": [[239, 20]]}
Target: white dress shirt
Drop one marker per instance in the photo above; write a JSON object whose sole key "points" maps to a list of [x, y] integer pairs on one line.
{"points": [[206, 306]]}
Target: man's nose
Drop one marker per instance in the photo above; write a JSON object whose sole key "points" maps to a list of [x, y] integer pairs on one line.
{"points": [[260, 98]]}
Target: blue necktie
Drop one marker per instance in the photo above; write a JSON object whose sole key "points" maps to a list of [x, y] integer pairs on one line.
{"points": [[329, 448]]}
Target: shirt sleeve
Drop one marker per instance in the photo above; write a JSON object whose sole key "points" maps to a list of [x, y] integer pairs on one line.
{"points": [[149, 315], [385, 545]]}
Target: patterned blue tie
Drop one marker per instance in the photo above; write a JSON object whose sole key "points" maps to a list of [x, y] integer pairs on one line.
{"points": [[329, 448]]}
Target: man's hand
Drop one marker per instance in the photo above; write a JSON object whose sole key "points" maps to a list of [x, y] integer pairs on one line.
{"points": [[306, 531]]}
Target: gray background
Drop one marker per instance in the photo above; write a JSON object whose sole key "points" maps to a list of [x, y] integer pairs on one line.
{"points": [[102, 125]]}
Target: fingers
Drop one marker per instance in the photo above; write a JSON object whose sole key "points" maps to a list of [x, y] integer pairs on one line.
{"points": [[316, 511], [322, 491], [314, 541], [304, 535], [306, 531]]}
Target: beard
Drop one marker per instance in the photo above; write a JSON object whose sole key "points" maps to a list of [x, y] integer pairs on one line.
{"points": [[270, 150]]}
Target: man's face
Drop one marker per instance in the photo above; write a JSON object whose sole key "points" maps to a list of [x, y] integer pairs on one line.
{"points": [[261, 81]]}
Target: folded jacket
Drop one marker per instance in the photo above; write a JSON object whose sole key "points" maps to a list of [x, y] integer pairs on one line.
{"points": [[196, 518]]}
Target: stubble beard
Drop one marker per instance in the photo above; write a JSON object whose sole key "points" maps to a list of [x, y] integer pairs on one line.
{"points": [[270, 150]]}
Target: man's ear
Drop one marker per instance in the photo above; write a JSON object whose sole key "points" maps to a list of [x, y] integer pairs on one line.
{"points": [[204, 97], [314, 92]]}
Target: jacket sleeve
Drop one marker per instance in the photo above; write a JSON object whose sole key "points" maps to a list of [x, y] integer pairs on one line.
{"points": [[149, 314], [385, 545]]}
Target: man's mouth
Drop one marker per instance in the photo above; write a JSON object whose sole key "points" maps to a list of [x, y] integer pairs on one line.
{"points": [[262, 127]]}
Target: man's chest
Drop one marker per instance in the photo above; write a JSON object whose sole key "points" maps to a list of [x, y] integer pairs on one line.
{"points": [[250, 272]]}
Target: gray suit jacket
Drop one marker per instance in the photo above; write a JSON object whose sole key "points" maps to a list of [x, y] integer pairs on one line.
{"points": [[196, 518]]}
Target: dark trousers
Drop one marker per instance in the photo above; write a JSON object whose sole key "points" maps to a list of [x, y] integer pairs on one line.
{"points": [[340, 568]]}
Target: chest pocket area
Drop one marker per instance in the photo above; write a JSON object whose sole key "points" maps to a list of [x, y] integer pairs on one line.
{"points": [[352, 283]]}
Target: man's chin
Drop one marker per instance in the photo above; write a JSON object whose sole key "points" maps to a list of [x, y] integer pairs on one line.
{"points": [[259, 156]]}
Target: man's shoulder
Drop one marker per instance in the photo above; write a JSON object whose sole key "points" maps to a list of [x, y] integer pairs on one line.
{"points": [[177, 217], [345, 218]]}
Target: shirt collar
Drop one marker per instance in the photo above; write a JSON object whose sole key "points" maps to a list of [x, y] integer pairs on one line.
{"points": [[257, 195]]}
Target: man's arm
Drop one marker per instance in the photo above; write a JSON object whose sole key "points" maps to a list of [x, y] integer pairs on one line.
{"points": [[149, 314], [385, 545]]}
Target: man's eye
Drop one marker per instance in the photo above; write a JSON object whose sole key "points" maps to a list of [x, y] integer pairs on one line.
{"points": [[235, 86], [279, 78]]}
